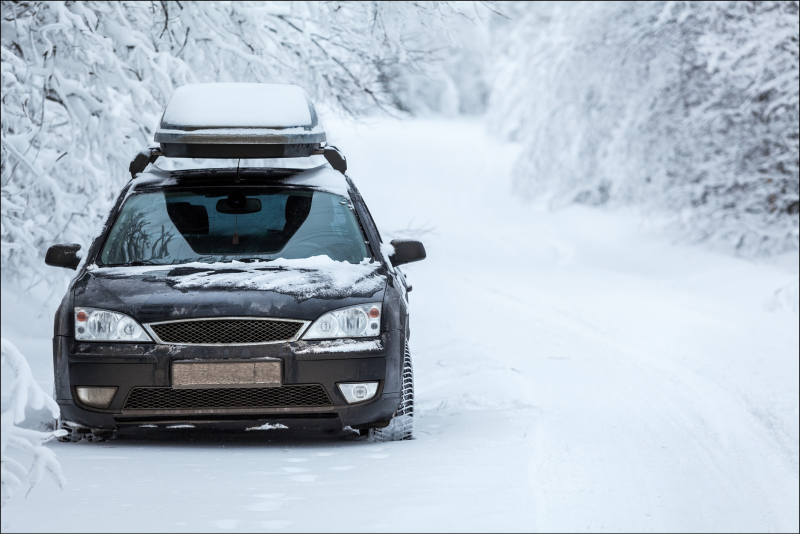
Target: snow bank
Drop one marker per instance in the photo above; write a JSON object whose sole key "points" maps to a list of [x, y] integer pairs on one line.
{"points": [[24, 392]]}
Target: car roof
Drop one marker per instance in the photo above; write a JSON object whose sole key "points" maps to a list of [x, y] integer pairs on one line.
{"points": [[322, 178]]}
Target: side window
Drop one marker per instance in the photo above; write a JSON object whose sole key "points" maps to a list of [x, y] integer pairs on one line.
{"points": [[371, 220], [366, 219]]}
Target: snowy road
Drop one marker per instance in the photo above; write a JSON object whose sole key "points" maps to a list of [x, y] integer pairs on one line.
{"points": [[575, 371]]}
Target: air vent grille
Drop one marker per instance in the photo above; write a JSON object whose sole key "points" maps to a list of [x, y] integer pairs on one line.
{"points": [[226, 331], [309, 395]]}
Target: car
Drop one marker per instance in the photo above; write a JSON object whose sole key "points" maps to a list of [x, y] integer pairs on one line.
{"points": [[236, 296]]}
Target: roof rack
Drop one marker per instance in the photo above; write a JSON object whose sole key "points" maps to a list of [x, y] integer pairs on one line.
{"points": [[239, 120]]}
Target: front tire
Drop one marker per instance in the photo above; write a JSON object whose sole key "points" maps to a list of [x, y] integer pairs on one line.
{"points": [[401, 427]]}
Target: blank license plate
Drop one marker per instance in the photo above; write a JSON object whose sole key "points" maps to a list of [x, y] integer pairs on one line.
{"points": [[226, 374]]}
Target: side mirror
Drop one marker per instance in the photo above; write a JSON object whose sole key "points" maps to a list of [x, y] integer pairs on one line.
{"points": [[406, 251], [63, 256]]}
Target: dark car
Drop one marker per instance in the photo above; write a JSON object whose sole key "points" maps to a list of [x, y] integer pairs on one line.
{"points": [[241, 296]]}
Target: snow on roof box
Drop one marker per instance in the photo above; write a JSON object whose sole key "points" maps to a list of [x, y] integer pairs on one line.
{"points": [[239, 120]]}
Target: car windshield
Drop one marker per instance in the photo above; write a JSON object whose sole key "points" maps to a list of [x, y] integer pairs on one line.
{"points": [[208, 225]]}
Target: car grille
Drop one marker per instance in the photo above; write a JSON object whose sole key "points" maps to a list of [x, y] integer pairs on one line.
{"points": [[226, 331], [311, 395]]}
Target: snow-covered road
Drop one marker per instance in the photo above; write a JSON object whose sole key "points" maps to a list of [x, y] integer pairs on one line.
{"points": [[575, 370]]}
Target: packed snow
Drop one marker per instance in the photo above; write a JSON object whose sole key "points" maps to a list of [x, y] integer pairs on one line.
{"points": [[575, 370]]}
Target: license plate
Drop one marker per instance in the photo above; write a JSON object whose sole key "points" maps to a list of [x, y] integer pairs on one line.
{"points": [[201, 375]]}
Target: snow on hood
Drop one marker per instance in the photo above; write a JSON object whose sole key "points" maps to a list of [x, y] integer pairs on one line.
{"points": [[316, 277]]}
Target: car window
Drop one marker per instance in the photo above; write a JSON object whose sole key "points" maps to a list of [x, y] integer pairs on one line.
{"points": [[372, 220], [234, 223]]}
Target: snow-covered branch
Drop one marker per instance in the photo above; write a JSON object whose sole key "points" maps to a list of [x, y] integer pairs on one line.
{"points": [[690, 109], [24, 393]]}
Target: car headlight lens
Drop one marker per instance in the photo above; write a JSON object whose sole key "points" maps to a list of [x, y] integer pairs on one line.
{"points": [[92, 324], [363, 320]]}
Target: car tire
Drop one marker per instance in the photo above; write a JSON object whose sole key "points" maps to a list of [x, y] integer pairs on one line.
{"points": [[401, 427]]}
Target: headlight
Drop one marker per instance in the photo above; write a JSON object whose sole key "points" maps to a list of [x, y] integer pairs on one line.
{"points": [[92, 324], [363, 320]]}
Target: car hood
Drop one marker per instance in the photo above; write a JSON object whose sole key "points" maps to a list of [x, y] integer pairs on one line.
{"points": [[297, 289]]}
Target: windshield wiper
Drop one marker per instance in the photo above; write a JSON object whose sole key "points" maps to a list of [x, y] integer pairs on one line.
{"points": [[140, 263], [137, 263]]}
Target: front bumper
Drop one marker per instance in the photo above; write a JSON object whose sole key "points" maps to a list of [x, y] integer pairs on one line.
{"points": [[129, 366]]}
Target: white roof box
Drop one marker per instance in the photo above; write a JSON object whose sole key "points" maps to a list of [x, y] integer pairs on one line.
{"points": [[239, 120]]}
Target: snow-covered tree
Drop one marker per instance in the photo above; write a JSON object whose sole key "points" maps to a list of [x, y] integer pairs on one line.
{"points": [[686, 108], [37, 460], [84, 83], [457, 81]]}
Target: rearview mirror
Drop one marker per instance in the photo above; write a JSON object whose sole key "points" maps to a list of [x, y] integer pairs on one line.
{"points": [[238, 204], [406, 251], [63, 256]]}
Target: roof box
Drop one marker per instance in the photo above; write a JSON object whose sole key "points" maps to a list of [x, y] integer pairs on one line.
{"points": [[240, 120]]}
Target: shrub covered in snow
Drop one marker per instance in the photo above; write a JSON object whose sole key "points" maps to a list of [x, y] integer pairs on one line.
{"points": [[687, 108], [24, 393]]}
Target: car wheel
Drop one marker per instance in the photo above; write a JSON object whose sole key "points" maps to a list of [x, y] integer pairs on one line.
{"points": [[401, 427]]}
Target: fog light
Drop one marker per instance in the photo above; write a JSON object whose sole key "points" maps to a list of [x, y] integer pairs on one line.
{"points": [[358, 392], [96, 397]]}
